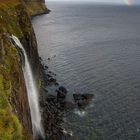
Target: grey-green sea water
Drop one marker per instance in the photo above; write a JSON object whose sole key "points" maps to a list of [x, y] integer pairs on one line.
{"points": [[96, 49]]}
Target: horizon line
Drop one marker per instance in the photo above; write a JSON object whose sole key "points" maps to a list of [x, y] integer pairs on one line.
{"points": [[95, 2]]}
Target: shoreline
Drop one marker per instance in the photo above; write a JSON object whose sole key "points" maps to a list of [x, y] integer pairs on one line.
{"points": [[53, 107]]}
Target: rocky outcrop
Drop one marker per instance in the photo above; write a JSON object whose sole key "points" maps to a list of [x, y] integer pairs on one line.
{"points": [[83, 100], [15, 121], [36, 7]]}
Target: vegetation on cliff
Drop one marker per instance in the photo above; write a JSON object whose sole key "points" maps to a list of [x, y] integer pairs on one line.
{"points": [[15, 122], [10, 127], [36, 7]]}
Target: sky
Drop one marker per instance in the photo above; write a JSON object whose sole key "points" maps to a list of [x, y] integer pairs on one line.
{"points": [[127, 2]]}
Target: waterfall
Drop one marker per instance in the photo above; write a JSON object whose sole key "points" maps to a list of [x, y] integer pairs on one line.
{"points": [[31, 91]]}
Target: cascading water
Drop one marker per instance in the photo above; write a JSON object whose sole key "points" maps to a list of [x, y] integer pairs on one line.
{"points": [[31, 91]]}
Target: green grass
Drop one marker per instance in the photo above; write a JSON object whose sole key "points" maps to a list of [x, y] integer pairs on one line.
{"points": [[10, 127]]}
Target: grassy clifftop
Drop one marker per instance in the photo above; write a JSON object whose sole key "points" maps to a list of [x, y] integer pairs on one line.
{"points": [[15, 122], [36, 7]]}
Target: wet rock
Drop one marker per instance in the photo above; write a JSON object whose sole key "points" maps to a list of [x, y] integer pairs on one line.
{"points": [[88, 96], [53, 106], [56, 84], [46, 67], [51, 73], [83, 104], [83, 100], [62, 89], [52, 80], [78, 97], [51, 98], [69, 106], [48, 75], [60, 94]]}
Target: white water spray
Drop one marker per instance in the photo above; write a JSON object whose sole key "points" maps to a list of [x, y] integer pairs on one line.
{"points": [[31, 91]]}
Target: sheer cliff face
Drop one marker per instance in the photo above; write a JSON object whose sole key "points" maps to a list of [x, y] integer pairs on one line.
{"points": [[15, 121]]}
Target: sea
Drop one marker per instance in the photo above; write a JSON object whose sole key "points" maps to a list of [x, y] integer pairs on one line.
{"points": [[95, 49]]}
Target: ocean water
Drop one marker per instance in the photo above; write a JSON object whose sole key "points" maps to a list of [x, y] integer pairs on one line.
{"points": [[95, 49]]}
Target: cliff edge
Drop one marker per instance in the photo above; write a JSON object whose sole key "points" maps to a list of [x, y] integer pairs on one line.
{"points": [[36, 7], [15, 120]]}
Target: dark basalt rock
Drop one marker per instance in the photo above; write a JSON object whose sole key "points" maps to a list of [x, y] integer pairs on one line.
{"points": [[69, 106], [51, 73], [52, 117], [48, 75], [83, 104], [62, 89], [45, 67], [52, 98], [49, 80], [52, 80], [60, 95], [83, 100], [56, 84], [78, 97]]}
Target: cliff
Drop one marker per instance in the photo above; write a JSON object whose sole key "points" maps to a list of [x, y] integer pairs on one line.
{"points": [[15, 121], [36, 7]]}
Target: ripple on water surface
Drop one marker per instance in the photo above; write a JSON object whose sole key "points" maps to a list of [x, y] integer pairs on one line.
{"points": [[97, 51]]}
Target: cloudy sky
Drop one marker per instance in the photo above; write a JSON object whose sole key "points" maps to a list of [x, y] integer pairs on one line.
{"points": [[129, 2]]}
